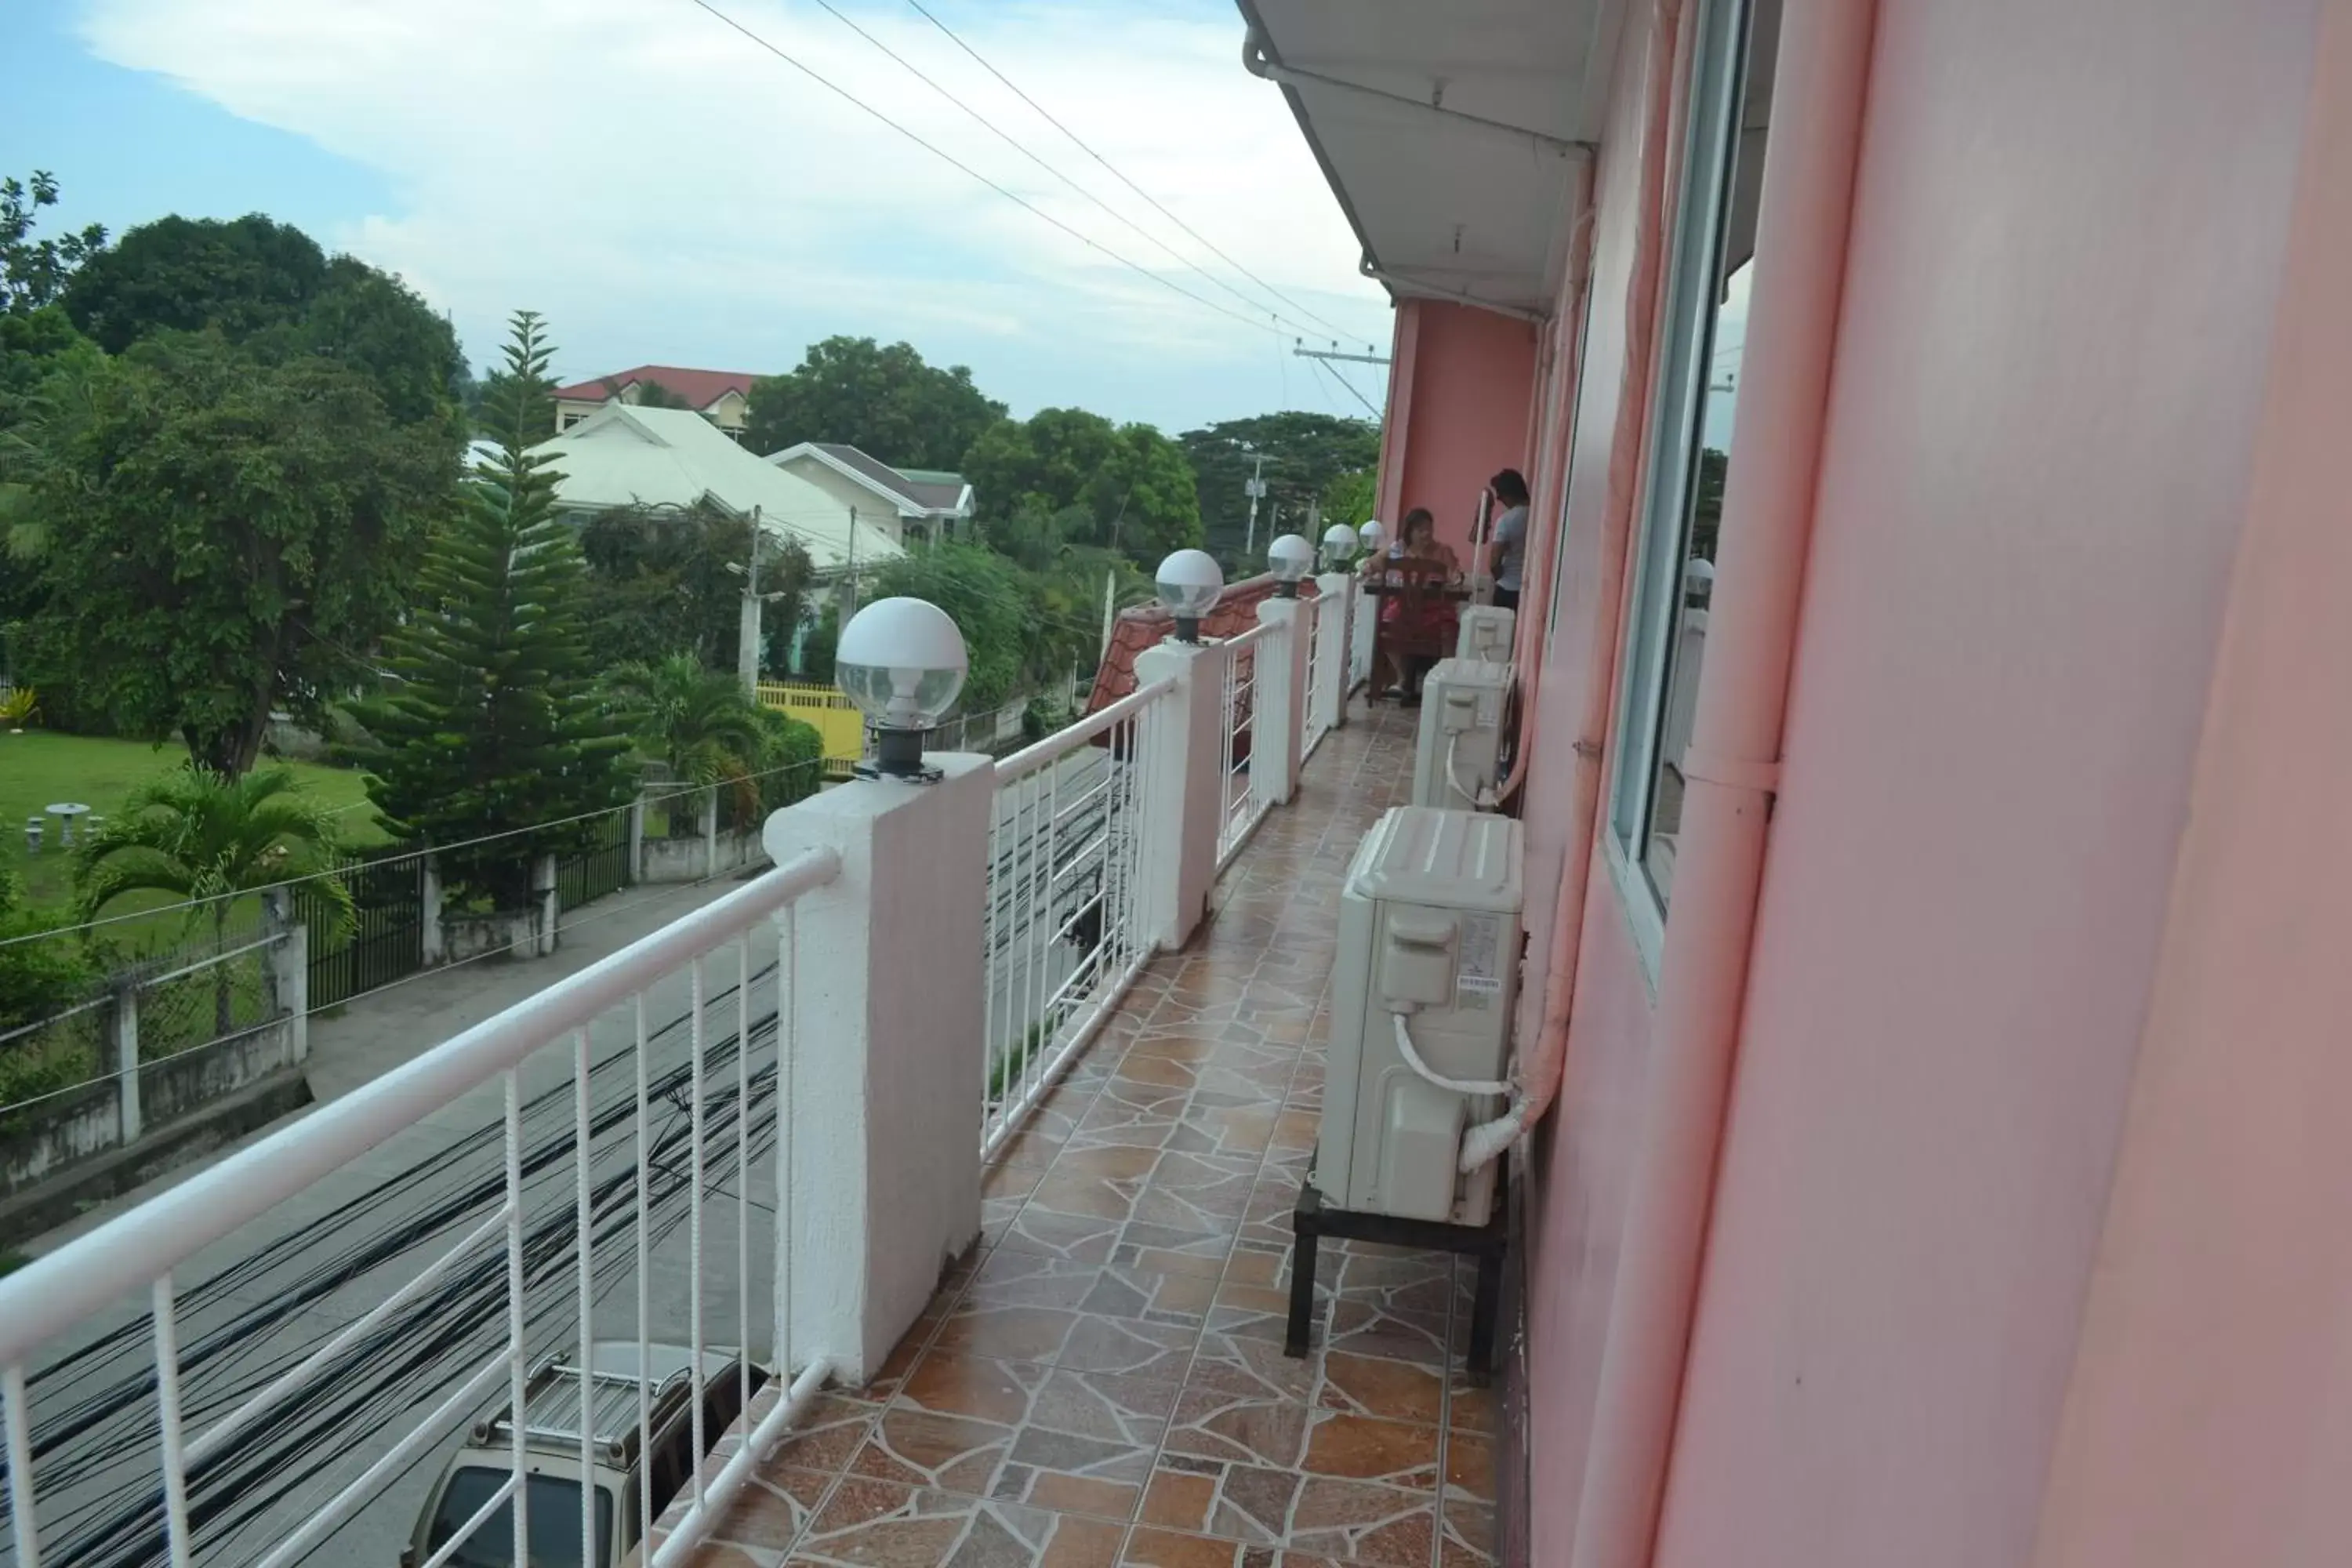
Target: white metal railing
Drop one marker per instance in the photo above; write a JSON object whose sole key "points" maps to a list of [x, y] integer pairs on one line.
{"points": [[1066, 929], [1241, 810], [242, 1367], [1312, 728]]}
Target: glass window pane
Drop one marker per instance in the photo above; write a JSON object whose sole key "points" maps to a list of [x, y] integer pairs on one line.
{"points": [[554, 1510]]}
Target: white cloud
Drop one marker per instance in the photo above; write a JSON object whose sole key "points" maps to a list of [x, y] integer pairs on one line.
{"points": [[664, 189]]}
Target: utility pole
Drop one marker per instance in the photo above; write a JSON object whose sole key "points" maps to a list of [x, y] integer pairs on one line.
{"points": [[1110, 611], [1256, 487], [849, 582]]}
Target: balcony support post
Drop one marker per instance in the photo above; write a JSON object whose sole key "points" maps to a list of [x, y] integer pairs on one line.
{"points": [[1183, 760], [1335, 647], [1279, 695], [885, 1008]]}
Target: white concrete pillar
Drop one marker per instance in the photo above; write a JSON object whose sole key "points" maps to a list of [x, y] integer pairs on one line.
{"points": [[436, 950], [126, 1063], [1277, 723], [543, 887], [289, 975], [1332, 648], [887, 1002], [636, 854], [1183, 760], [710, 830]]}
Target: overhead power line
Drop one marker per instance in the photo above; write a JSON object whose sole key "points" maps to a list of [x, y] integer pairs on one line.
{"points": [[1333, 373], [1018, 146], [1087, 149], [952, 161]]}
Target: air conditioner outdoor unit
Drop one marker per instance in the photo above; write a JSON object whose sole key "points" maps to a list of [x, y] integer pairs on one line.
{"points": [[1427, 970], [1458, 760], [1486, 633]]}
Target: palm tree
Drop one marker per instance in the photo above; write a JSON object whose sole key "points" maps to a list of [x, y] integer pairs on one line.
{"points": [[697, 723], [197, 834]]}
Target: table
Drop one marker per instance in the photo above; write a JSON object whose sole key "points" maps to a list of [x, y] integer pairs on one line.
{"points": [[65, 811]]}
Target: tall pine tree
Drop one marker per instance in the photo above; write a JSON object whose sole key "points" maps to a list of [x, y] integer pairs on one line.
{"points": [[492, 721]]}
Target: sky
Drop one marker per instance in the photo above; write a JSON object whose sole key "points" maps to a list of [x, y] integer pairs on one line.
{"points": [[666, 191]]}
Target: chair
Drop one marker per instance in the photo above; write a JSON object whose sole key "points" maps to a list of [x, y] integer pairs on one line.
{"points": [[1417, 590]]}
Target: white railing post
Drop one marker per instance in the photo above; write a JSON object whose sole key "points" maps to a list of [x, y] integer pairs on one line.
{"points": [[886, 1007], [1278, 722], [637, 839], [125, 1022], [1184, 760], [1333, 648]]}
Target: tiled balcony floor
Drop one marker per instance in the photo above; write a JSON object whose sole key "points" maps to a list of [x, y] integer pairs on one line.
{"points": [[1103, 1383]]}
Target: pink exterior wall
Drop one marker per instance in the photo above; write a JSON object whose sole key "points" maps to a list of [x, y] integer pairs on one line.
{"points": [[1460, 387], [2211, 1417], [1579, 1189], [2067, 238]]}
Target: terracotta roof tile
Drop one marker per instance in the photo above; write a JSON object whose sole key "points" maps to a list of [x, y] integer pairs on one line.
{"points": [[1148, 626], [699, 387]]}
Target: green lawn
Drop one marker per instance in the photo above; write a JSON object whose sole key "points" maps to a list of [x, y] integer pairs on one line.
{"points": [[39, 767]]}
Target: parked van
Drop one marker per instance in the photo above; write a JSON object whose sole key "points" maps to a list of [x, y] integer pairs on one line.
{"points": [[614, 1376]]}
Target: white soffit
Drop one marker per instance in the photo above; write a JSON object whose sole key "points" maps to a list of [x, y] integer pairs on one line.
{"points": [[1450, 133]]}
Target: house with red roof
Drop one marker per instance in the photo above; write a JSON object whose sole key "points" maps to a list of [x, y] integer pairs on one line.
{"points": [[721, 397], [930, 502]]}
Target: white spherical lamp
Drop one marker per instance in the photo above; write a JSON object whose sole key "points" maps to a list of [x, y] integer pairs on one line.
{"points": [[1339, 544], [1289, 557], [1188, 582], [1372, 535], [902, 662]]}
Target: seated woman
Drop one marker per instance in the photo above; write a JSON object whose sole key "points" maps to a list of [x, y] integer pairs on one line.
{"points": [[1430, 622]]}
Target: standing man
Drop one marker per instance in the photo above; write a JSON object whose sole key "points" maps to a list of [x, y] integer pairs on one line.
{"points": [[1506, 551]]}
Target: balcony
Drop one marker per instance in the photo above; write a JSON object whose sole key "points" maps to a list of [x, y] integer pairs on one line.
{"points": [[1103, 1382], [755, 1130]]}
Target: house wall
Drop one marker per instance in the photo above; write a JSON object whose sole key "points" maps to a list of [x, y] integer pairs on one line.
{"points": [[845, 494], [2224, 1286], [1581, 1183], [2067, 235], [1460, 383]]}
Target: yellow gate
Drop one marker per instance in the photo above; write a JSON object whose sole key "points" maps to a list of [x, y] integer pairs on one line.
{"points": [[842, 726]]}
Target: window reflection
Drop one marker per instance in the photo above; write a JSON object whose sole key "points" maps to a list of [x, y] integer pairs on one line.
{"points": [[1720, 349]]}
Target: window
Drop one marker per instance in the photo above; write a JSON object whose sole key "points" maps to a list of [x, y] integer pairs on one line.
{"points": [[1706, 327]]}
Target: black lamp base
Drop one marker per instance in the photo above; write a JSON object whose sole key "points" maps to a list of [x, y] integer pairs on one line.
{"points": [[1188, 628], [1286, 590], [898, 755]]}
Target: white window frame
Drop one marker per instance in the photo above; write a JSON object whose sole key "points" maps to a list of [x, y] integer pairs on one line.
{"points": [[1568, 472], [1718, 86]]}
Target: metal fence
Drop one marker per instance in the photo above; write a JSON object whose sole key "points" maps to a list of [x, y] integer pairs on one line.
{"points": [[603, 865], [385, 941], [1064, 927], [156, 1413], [1241, 810]]}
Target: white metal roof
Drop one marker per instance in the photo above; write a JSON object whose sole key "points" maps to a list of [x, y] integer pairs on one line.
{"points": [[1450, 133], [623, 454]]}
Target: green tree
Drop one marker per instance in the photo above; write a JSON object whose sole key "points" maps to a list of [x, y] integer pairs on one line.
{"points": [[1133, 485], [37, 979], [269, 286], [224, 537], [33, 272], [991, 603], [1303, 453], [885, 402], [241, 276], [197, 834], [697, 722], [659, 583], [1349, 497], [492, 723]]}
